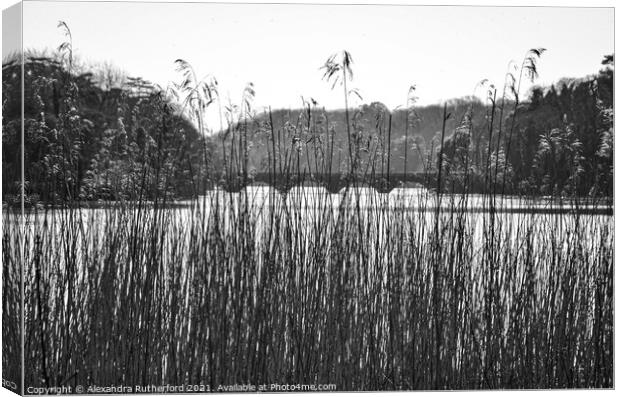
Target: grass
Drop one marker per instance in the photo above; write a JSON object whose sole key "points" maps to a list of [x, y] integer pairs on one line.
{"points": [[380, 297], [363, 290], [12, 262]]}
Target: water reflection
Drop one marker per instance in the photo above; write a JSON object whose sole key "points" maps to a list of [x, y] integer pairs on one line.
{"points": [[420, 199]]}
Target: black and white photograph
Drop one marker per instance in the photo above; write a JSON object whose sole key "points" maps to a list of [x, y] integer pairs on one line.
{"points": [[204, 197]]}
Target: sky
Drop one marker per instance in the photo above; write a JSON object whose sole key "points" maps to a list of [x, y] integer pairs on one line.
{"points": [[444, 51]]}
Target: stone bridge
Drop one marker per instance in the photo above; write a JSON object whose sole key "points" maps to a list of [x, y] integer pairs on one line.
{"points": [[332, 182]]}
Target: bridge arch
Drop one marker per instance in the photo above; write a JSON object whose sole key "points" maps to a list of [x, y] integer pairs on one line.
{"points": [[312, 186]]}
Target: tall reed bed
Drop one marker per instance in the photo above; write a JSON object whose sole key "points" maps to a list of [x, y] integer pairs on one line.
{"points": [[12, 314], [363, 290]]}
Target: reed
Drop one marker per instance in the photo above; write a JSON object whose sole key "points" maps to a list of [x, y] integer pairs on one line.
{"points": [[363, 290], [310, 290]]}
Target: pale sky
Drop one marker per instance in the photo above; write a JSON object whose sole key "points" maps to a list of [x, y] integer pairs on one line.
{"points": [[444, 51]]}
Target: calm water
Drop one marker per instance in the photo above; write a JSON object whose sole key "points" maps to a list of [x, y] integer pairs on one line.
{"points": [[409, 199], [312, 207]]}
